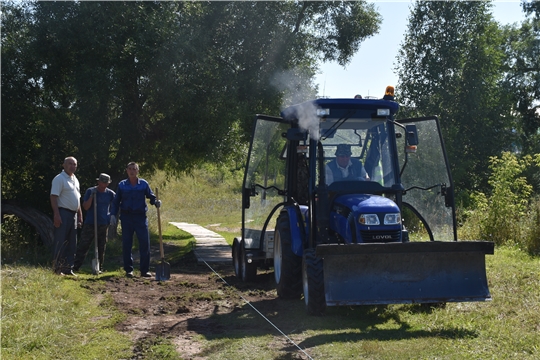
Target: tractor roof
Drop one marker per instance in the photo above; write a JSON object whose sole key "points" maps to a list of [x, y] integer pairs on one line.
{"points": [[339, 108]]}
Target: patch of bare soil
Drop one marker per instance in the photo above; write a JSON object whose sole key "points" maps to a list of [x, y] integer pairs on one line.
{"points": [[184, 307]]}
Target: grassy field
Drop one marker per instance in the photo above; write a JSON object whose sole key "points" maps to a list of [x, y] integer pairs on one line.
{"points": [[506, 328], [46, 317]]}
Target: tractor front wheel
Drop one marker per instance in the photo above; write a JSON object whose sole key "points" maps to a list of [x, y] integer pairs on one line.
{"points": [[313, 283], [287, 265]]}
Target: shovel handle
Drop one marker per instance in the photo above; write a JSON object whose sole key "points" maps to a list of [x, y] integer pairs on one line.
{"points": [[95, 224], [159, 229], [95, 263]]}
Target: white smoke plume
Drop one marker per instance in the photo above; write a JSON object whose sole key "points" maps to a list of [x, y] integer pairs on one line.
{"points": [[293, 83]]}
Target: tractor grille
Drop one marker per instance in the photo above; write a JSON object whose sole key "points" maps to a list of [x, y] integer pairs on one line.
{"points": [[380, 236]]}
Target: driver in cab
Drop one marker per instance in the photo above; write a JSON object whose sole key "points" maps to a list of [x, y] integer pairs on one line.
{"points": [[344, 168]]}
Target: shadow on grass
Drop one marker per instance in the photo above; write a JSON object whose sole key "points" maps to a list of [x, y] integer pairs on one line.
{"points": [[338, 325]]}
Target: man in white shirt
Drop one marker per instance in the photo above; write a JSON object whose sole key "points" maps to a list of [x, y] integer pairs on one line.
{"points": [[65, 202]]}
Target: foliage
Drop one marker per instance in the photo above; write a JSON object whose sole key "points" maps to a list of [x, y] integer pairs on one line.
{"points": [[166, 84], [532, 225], [522, 80], [507, 215], [450, 65]]}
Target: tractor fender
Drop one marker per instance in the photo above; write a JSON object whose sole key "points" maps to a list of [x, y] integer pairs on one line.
{"points": [[298, 228]]}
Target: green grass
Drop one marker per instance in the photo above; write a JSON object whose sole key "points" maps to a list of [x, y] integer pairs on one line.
{"points": [[206, 197], [158, 349], [45, 316], [183, 241], [507, 327]]}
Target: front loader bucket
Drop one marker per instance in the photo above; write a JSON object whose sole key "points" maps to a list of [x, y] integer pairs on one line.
{"points": [[398, 273]]}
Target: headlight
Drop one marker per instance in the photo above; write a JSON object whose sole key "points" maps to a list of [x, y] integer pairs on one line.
{"points": [[392, 219], [369, 219], [323, 112]]}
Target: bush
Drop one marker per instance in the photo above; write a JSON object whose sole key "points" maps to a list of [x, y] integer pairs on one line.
{"points": [[532, 224], [508, 215]]}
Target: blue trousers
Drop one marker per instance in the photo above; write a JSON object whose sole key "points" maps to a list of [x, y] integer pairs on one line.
{"points": [[65, 241], [135, 224]]}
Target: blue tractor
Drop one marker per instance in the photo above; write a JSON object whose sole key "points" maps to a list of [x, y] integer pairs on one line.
{"points": [[353, 207]]}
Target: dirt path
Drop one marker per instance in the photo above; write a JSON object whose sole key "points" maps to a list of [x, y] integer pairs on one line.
{"points": [[181, 308]]}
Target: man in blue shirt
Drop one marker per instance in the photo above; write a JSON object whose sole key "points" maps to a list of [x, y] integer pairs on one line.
{"points": [[130, 200], [105, 197]]}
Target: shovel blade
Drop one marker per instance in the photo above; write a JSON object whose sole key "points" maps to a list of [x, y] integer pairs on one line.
{"points": [[426, 272], [163, 271], [95, 266]]}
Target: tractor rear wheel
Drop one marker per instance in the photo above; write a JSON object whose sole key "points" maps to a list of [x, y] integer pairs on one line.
{"points": [[313, 283], [237, 261], [287, 265]]}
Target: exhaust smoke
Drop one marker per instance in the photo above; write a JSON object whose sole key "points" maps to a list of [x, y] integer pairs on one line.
{"points": [[296, 88]]}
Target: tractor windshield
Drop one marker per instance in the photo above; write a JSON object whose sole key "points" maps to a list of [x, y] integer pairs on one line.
{"points": [[367, 141]]}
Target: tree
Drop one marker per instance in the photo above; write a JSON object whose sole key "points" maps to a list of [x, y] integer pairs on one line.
{"points": [[522, 68], [166, 84], [450, 65]]}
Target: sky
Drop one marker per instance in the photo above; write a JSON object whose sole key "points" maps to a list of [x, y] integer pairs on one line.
{"points": [[372, 68]]}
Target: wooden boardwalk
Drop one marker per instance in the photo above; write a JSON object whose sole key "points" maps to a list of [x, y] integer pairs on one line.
{"points": [[210, 247]]}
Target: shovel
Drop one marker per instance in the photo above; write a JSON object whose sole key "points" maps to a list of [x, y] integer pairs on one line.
{"points": [[163, 269], [95, 261]]}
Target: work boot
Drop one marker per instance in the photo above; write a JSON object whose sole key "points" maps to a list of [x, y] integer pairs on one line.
{"points": [[68, 273]]}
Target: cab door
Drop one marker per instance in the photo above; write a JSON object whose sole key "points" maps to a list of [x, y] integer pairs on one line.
{"points": [[427, 180], [264, 176]]}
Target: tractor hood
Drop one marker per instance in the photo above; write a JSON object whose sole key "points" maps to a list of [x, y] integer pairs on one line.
{"points": [[366, 203]]}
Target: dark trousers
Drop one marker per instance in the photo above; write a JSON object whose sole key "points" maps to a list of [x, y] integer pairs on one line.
{"points": [[87, 237], [65, 242], [135, 224]]}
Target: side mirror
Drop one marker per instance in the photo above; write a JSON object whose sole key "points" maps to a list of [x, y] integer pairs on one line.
{"points": [[412, 135]]}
